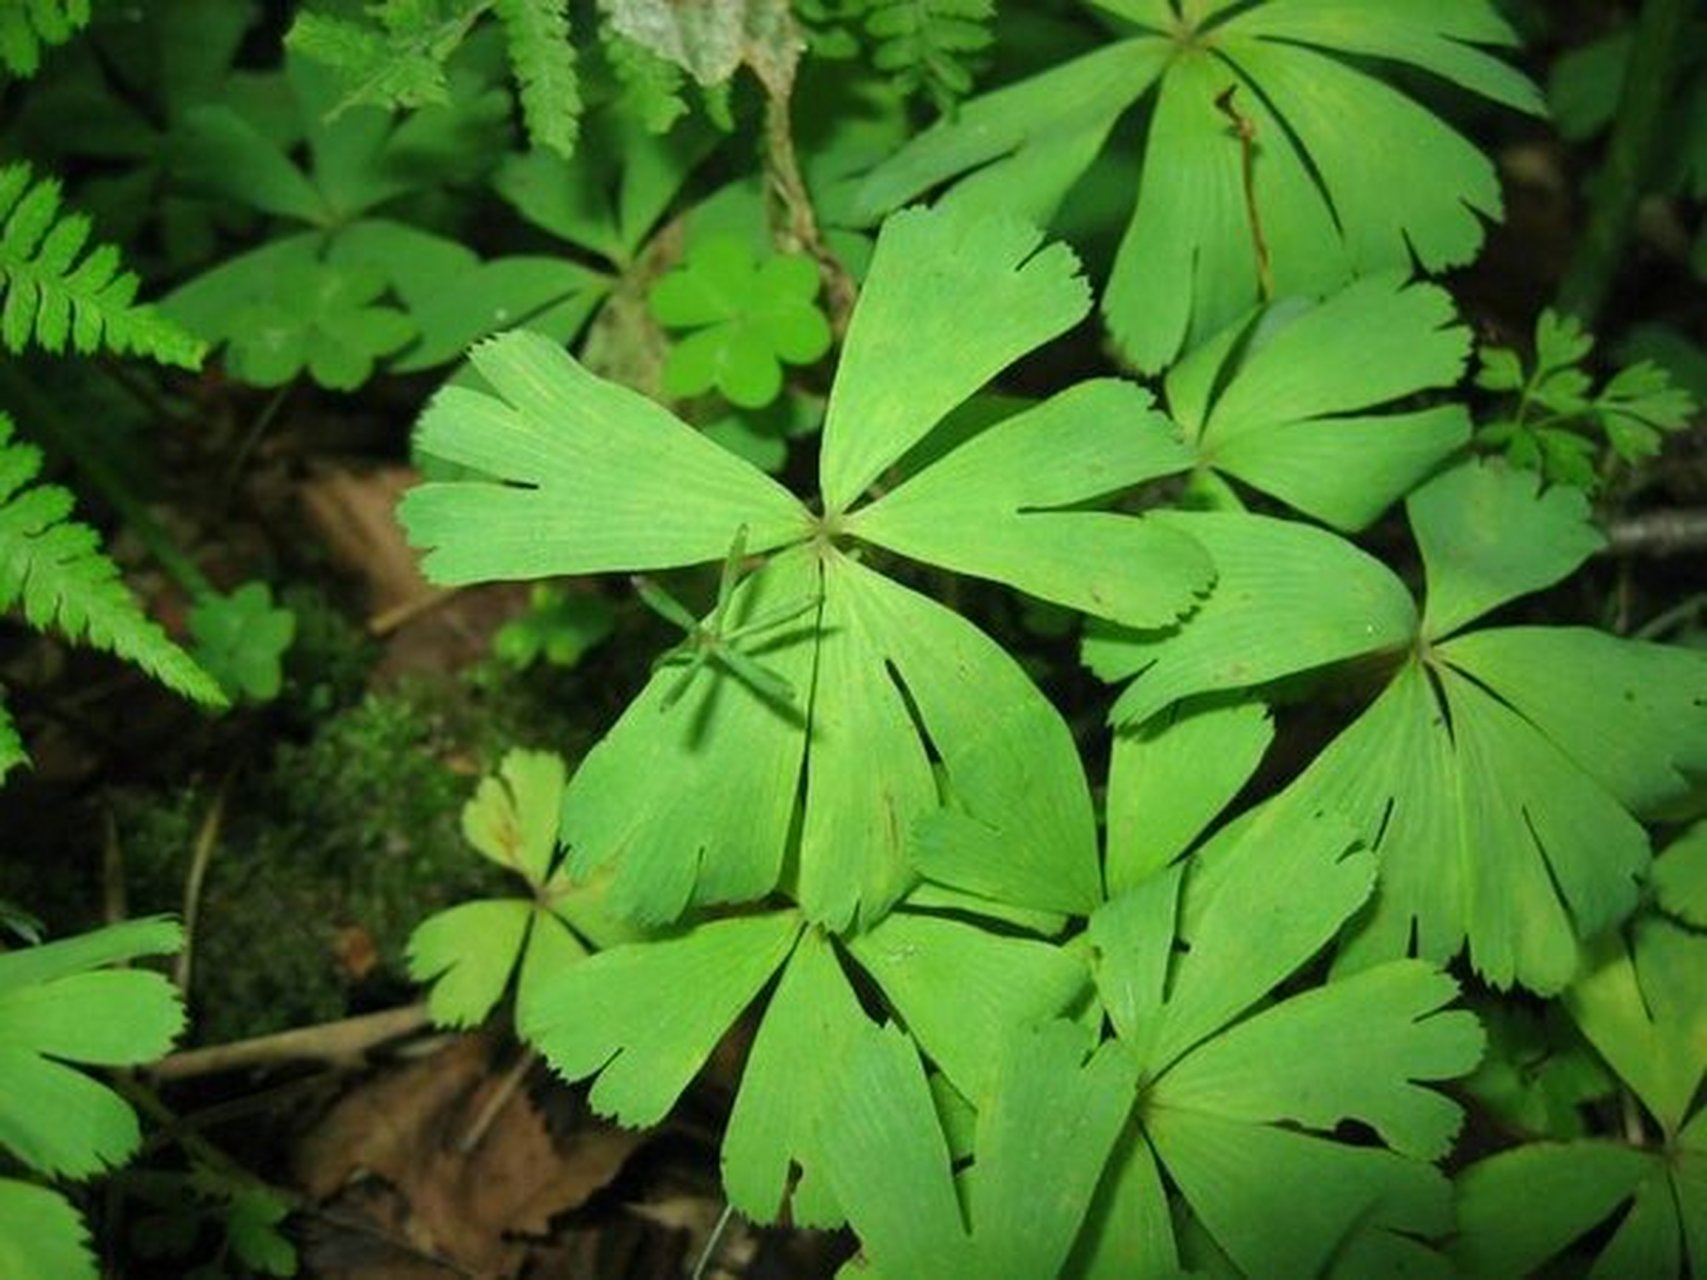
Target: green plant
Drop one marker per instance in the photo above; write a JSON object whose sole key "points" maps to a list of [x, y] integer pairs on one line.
{"points": [[1253, 186], [884, 768], [1552, 425], [60, 1004]]}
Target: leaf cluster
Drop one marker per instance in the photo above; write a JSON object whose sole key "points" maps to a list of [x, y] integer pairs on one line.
{"points": [[1557, 414]]}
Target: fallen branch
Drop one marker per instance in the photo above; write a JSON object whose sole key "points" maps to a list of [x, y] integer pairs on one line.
{"points": [[341, 1043]]}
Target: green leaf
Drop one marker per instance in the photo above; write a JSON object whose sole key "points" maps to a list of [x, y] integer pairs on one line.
{"points": [[1628, 714], [252, 1227], [561, 626], [1288, 421], [813, 1022], [910, 356], [41, 1236], [888, 1162], [52, 1008], [1049, 1123], [551, 296], [399, 63], [1271, 1067], [1484, 829], [60, 297], [12, 753], [1332, 202], [998, 506], [55, 569], [962, 991], [1129, 1230], [1288, 597], [694, 802], [241, 638], [1297, 876], [1489, 535], [645, 1017], [1169, 779], [1283, 1204], [1519, 1207], [513, 816], [1680, 877], [565, 497], [749, 318], [1643, 1005], [536, 33], [468, 953], [1019, 826]]}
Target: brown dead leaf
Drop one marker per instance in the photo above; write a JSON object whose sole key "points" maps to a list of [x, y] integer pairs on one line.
{"points": [[405, 1131]]}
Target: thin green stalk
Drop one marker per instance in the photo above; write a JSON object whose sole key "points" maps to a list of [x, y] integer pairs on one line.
{"points": [[1648, 81]]}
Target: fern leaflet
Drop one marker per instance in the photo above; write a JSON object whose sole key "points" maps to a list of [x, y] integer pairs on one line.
{"points": [[536, 33], [56, 294], [27, 25], [925, 44], [55, 568], [400, 62]]}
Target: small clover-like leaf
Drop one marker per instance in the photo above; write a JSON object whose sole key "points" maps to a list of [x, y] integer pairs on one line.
{"points": [[241, 639], [749, 319], [469, 951], [57, 1006], [561, 626]]}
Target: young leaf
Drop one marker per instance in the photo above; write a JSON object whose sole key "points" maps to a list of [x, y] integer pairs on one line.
{"points": [[1281, 401], [910, 357], [469, 951], [55, 1008], [994, 507], [54, 567], [645, 1017], [58, 296], [565, 496], [41, 1236]]}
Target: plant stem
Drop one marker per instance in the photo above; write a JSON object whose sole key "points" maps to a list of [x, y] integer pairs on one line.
{"points": [[1648, 80]]}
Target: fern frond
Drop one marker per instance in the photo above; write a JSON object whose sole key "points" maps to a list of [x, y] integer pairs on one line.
{"points": [[924, 44], [27, 25], [54, 567], [57, 294], [652, 85], [400, 62], [537, 35]]}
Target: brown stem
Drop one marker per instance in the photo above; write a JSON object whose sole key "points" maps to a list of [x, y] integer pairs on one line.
{"points": [[343, 1041], [1245, 129], [1665, 532], [799, 231]]}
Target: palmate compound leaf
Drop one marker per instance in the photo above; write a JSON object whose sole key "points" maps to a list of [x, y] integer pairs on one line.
{"points": [[1496, 772], [1643, 1004], [1053, 1112], [58, 1006], [469, 951], [41, 1236], [1222, 1083], [1330, 202], [692, 800]]}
